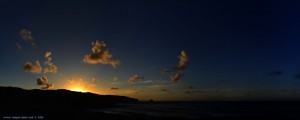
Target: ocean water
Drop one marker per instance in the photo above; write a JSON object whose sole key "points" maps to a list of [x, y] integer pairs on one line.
{"points": [[198, 110]]}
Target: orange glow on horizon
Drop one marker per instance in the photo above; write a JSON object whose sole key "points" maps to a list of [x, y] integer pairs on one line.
{"points": [[78, 89]]}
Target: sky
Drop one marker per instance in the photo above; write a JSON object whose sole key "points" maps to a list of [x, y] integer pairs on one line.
{"points": [[169, 50]]}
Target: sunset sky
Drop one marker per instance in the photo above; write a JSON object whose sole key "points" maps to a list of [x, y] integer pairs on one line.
{"points": [[153, 49]]}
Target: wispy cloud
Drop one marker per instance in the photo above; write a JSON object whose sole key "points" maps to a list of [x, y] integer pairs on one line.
{"points": [[164, 89], [178, 69], [50, 67], [192, 91], [135, 78], [177, 77], [100, 54], [117, 83], [71, 81], [27, 36], [115, 79], [94, 79], [183, 58], [18, 46], [165, 71], [153, 86], [48, 86], [36, 68], [114, 88], [148, 81]]}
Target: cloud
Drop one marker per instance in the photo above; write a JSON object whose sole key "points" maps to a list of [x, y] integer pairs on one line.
{"points": [[276, 73], [177, 77], [135, 78], [36, 68], [162, 81], [44, 81], [100, 54], [148, 81], [115, 78], [183, 58], [71, 81], [27, 36], [114, 88], [18, 46], [48, 86], [117, 83], [187, 92], [192, 91], [165, 71], [94, 80], [50, 66], [164, 89], [178, 69], [47, 55]]}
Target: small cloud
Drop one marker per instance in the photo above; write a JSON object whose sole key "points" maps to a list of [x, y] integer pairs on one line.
{"points": [[276, 73], [71, 81], [44, 81], [177, 77], [148, 81], [192, 91], [47, 55], [36, 68], [48, 86], [183, 58], [27, 36], [164, 89], [50, 66], [115, 79], [18, 46], [178, 69], [135, 78], [116, 83], [162, 81], [93, 79], [100, 54], [165, 71], [114, 88]]}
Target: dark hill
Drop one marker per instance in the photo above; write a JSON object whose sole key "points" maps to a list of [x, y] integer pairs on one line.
{"points": [[16, 100]]}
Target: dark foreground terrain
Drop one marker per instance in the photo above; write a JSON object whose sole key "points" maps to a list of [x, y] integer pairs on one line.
{"points": [[17, 103]]}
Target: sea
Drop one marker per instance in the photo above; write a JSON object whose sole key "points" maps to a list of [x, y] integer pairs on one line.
{"points": [[210, 109]]}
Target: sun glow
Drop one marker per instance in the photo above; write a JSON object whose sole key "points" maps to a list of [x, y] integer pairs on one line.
{"points": [[78, 89]]}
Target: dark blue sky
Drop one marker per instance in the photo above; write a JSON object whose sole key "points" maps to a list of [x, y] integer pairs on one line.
{"points": [[233, 46]]}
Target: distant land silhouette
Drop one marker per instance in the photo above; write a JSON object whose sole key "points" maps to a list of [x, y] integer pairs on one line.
{"points": [[19, 102], [60, 98]]}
